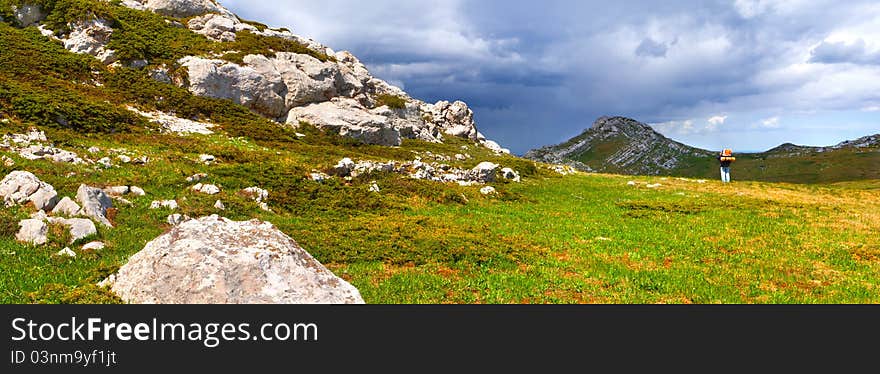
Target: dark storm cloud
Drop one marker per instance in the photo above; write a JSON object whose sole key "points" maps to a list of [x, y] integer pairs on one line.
{"points": [[538, 72], [841, 52], [650, 48]]}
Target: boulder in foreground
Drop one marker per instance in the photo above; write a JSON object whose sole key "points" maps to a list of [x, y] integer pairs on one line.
{"points": [[213, 260]]}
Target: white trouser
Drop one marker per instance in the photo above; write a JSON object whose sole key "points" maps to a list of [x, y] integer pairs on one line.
{"points": [[725, 175]]}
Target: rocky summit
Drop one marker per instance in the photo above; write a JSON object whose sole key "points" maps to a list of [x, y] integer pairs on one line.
{"points": [[620, 145]]}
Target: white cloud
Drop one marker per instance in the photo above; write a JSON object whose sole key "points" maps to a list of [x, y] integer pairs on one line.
{"points": [[717, 120], [873, 108], [770, 123]]}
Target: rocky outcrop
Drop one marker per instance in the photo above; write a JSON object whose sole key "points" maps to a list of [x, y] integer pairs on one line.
{"points": [[240, 84], [178, 8], [31, 146], [90, 37], [80, 228], [214, 260], [20, 187], [347, 118]]}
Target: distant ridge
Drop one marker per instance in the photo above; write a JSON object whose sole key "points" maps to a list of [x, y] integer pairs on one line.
{"points": [[623, 145]]}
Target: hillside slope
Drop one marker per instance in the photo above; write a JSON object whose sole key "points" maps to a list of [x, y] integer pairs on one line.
{"points": [[626, 146]]}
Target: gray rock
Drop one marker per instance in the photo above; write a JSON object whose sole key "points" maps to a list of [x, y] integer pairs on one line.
{"points": [[33, 231], [214, 260], [90, 37], [80, 228], [66, 252], [484, 172], [178, 8], [488, 190], [137, 191], [510, 174], [94, 203], [66, 207], [255, 193], [93, 246], [117, 190], [219, 205], [170, 204], [208, 189], [347, 118]]}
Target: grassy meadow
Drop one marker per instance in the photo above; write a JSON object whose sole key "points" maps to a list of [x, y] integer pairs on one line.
{"points": [[587, 238]]}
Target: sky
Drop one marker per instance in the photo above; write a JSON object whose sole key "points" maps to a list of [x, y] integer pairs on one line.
{"points": [[742, 74]]}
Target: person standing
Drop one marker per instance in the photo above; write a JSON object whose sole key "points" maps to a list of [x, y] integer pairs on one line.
{"points": [[726, 158]]}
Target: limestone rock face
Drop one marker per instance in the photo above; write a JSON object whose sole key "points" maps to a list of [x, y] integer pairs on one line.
{"points": [[213, 260], [178, 8], [348, 118], [20, 187], [91, 37], [263, 93]]}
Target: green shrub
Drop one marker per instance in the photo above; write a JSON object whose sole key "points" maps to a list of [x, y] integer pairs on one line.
{"points": [[54, 293], [392, 101]]}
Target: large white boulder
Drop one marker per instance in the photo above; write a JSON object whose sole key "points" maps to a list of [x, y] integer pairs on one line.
{"points": [[213, 260], [348, 118], [33, 231], [19, 187]]}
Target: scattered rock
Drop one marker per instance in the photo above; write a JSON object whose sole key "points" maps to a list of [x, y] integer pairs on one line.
{"points": [[66, 252], [117, 190], [631, 183], [124, 159], [196, 177], [255, 193], [8, 162], [95, 203], [374, 187], [137, 191], [219, 205], [175, 124], [80, 228], [488, 190], [105, 162], [170, 204], [214, 260], [33, 231], [655, 185], [510, 174], [207, 159], [29, 14], [344, 167], [66, 207], [208, 189], [94, 150], [318, 177], [484, 172], [93, 246], [19, 187]]}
